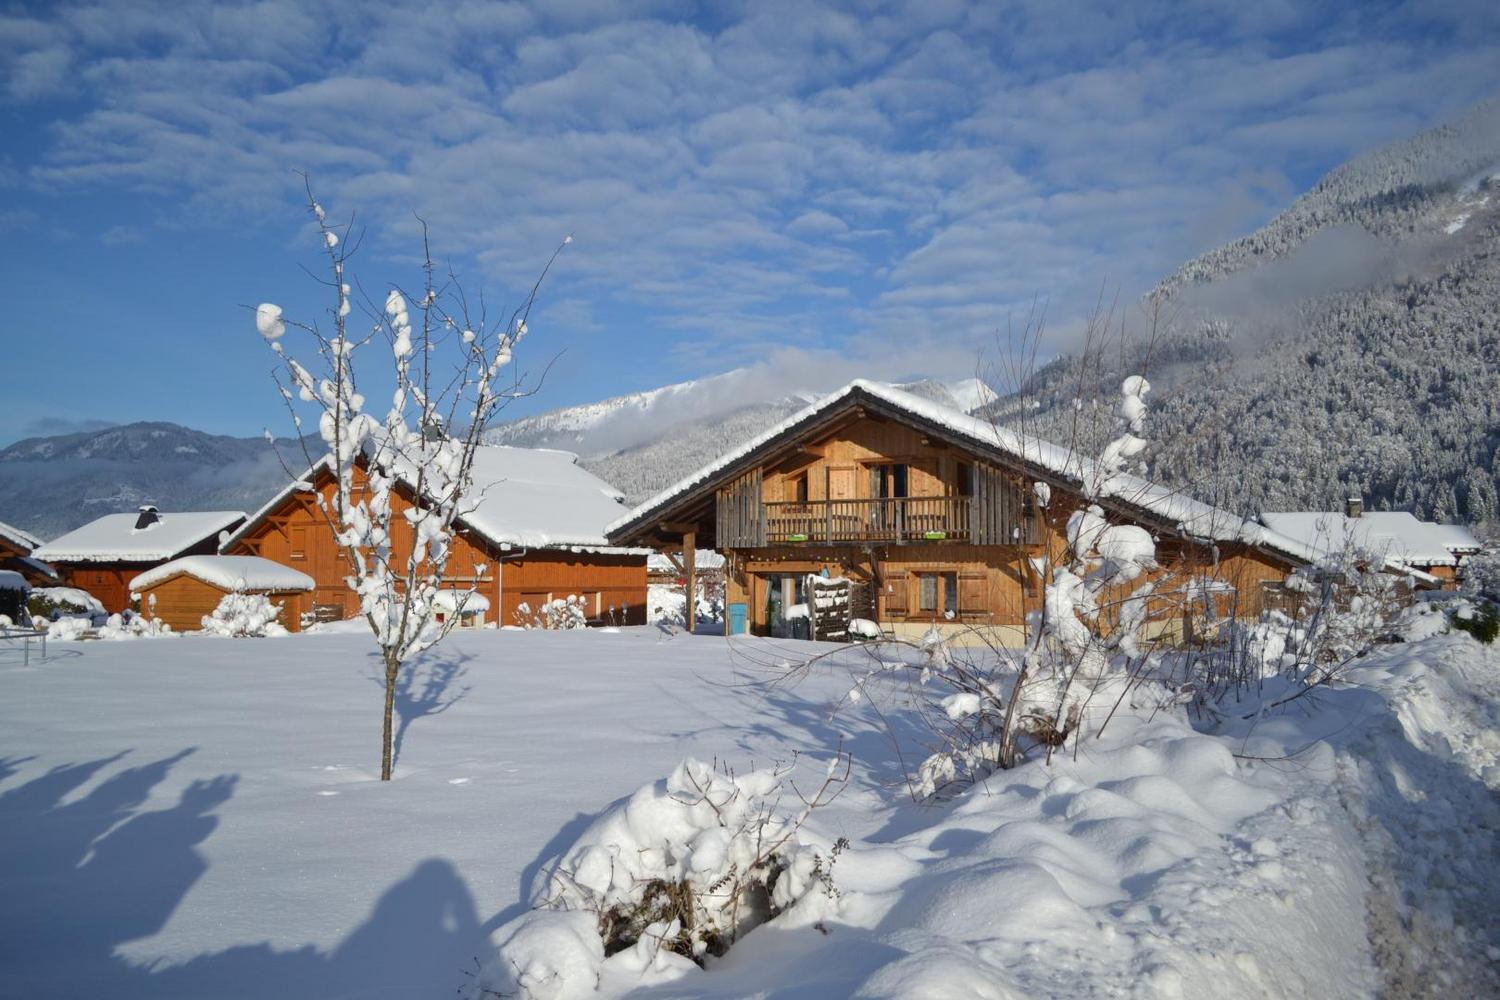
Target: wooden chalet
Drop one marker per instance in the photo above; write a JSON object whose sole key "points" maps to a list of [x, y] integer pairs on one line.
{"points": [[16, 548], [1432, 554], [182, 592], [106, 555], [931, 516], [536, 529]]}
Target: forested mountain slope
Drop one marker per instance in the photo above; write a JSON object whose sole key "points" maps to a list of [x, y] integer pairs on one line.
{"points": [[1350, 345]]}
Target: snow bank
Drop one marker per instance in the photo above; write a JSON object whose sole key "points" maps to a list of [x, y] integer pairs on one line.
{"points": [[243, 573], [11, 580]]}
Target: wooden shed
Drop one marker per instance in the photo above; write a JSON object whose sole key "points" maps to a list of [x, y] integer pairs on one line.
{"points": [[182, 592]]}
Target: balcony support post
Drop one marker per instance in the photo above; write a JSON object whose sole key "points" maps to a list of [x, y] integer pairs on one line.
{"points": [[690, 575]]}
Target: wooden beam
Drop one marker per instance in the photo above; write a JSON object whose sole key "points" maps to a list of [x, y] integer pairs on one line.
{"points": [[690, 571], [678, 527]]}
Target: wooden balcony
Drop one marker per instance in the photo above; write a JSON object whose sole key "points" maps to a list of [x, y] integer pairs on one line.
{"points": [[900, 520]]}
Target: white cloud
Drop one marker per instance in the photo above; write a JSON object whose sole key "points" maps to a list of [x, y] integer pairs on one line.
{"points": [[867, 182]]}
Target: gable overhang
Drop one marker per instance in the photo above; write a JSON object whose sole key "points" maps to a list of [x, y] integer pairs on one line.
{"points": [[661, 523]]}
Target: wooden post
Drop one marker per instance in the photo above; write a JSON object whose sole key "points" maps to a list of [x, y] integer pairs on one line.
{"points": [[690, 573]]}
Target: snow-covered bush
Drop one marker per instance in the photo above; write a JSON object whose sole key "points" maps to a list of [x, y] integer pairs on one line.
{"points": [[129, 625], [559, 613], [1481, 620], [65, 628], [51, 603], [244, 616], [677, 873]]}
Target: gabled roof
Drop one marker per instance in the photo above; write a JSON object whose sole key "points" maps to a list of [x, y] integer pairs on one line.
{"points": [[20, 539], [246, 573], [522, 497], [115, 538], [1034, 456], [1397, 535]]}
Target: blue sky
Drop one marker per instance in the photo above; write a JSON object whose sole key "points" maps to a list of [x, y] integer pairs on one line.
{"points": [[815, 191]]}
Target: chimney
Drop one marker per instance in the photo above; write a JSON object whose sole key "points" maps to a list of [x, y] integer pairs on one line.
{"points": [[1354, 506], [147, 516]]}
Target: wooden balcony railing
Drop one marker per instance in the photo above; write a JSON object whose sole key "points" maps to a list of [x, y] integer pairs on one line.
{"points": [[899, 519]]}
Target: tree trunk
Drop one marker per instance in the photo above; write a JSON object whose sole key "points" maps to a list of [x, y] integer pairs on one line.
{"points": [[392, 667]]}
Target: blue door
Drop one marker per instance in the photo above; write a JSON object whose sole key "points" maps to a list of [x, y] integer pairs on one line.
{"points": [[737, 612]]}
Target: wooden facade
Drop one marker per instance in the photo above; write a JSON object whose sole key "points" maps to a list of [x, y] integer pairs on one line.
{"points": [[110, 582], [929, 528], [184, 601], [296, 533]]}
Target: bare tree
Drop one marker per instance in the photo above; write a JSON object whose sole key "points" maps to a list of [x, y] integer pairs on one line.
{"points": [[401, 481]]}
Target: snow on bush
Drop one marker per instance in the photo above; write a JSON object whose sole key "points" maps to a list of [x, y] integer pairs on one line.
{"points": [[674, 875], [244, 616], [132, 626], [560, 613], [52, 602]]}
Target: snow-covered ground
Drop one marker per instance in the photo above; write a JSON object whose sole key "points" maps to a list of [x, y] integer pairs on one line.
{"points": [[197, 816]]}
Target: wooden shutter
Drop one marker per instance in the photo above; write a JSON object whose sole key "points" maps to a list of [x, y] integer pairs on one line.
{"points": [[974, 592], [895, 590]]}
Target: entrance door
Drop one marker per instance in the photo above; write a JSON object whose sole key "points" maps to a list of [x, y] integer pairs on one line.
{"points": [[786, 606]]}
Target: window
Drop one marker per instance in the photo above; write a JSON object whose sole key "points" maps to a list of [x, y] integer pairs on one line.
{"points": [[799, 488], [299, 543], [929, 599], [938, 591], [965, 479], [891, 481]]}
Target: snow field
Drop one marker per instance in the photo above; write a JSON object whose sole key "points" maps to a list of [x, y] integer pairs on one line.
{"points": [[200, 817]]}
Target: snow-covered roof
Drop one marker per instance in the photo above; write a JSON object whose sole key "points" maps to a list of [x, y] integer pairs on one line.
{"points": [[453, 600], [251, 573], [705, 559], [1458, 539], [11, 580], [539, 497], [1398, 535], [521, 497], [1192, 517], [115, 538], [17, 537]]}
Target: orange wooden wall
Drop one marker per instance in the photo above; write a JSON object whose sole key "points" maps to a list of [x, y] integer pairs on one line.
{"points": [[297, 535], [183, 601]]}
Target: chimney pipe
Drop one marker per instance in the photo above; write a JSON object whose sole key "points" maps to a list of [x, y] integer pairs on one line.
{"points": [[1354, 506], [147, 516]]}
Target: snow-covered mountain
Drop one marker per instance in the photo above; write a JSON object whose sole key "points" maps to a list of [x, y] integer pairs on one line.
{"points": [[1351, 345], [50, 485]]}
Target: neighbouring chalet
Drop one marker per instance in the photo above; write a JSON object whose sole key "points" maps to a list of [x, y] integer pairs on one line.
{"points": [[1436, 551], [932, 516], [182, 592], [536, 528], [105, 556], [16, 548]]}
